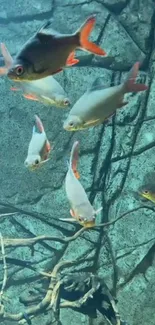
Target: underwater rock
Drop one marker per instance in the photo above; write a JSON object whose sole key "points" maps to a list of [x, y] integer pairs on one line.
{"points": [[113, 160]]}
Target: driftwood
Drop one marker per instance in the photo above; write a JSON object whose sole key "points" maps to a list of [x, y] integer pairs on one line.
{"points": [[52, 298]]}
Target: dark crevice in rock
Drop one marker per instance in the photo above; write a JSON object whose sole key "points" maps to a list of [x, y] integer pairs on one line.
{"points": [[114, 264], [94, 267], [38, 216], [25, 18], [142, 267], [76, 4], [19, 226], [102, 30], [133, 249], [150, 43], [29, 280], [136, 130], [116, 7], [131, 35]]}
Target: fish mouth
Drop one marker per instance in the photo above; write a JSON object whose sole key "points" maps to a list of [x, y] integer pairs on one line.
{"points": [[33, 167], [89, 224], [66, 102], [71, 128], [11, 76]]}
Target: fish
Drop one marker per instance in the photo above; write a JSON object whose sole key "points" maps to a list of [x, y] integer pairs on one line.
{"points": [[98, 103], [148, 193], [47, 90], [81, 209], [147, 190], [47, 52], [39, 147]]}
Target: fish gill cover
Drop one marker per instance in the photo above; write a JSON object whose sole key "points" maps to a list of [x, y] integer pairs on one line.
{"points": [[54, 271]]}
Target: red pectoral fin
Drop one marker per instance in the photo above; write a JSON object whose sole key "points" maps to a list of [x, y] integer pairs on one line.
{"points": [[30, 96], [71, 60], [48, 146], [15, 89], [72, 213]]}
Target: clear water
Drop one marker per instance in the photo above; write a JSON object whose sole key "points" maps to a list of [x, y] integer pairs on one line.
{"points": [[115, 164]]}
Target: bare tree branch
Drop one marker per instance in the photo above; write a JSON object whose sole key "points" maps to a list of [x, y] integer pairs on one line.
{"points": [[5, 270]]}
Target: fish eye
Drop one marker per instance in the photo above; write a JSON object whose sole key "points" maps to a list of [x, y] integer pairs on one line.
{"points": [[71, 124], [19, 70], [146, 192], [36, 162], [66, 102]]}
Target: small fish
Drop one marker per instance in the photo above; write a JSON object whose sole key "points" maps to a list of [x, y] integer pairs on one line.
{"points": [[147, 190], [99, 103], [48, 52], [148, 193], [81, 209], [39, 147], [46, 90]]}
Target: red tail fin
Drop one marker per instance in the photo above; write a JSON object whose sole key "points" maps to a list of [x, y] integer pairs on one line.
{"points": [[85, 31], [39, 124], [74, 158], [7, 56], [7, 59], [130, 85], [3, 71]]}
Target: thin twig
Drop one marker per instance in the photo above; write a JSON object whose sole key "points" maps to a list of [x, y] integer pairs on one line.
{"points": [[32, 241], [109, 223], [16, 242], [4, 268]]}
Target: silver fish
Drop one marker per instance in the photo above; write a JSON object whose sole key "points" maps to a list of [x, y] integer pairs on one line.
{"points": [[81, 209], [39, 146], [98, 103]]}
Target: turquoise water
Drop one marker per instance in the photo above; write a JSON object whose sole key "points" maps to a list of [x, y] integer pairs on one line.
{"points": [[115, 162]]}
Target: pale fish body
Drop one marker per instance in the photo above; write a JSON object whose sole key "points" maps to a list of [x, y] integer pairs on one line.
{"points": [[81, 209], [39, 147], [46, 90], [98, 103]]}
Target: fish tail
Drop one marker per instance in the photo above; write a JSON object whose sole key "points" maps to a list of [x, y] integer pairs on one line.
{"points": [[7, 59], [84, 32], [39, 124], [3, 71], [130, 85], [7, 56], [74, 159]]}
